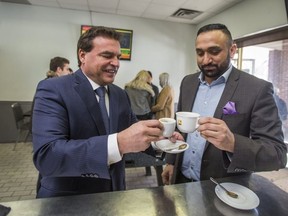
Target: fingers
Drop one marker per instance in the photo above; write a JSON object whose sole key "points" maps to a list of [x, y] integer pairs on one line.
{"points": [[153, 127], [165, 178], [139, 136], [211, 127], [153, 123], [176, 136], [217, 132], [167, 174]]}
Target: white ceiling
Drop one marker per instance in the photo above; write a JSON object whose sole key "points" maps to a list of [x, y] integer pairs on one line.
{"points": [[152, 9]]}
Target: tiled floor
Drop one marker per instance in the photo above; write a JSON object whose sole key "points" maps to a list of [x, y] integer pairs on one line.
{"points": [[18, 175]]}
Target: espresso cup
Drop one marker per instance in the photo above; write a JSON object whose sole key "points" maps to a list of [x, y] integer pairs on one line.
{"points": [[187, 122], [169, 126]]}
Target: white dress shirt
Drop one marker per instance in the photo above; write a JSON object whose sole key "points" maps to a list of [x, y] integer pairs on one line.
{"points": [[114, 155]]}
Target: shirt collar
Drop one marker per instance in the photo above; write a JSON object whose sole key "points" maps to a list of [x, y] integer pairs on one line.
{"points": [[223, 78], [93, 84]]}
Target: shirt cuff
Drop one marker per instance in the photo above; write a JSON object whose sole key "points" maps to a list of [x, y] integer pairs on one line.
{"points": [[114, 155]]}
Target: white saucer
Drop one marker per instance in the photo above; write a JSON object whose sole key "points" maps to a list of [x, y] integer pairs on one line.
{"points": [[165, 145], [246, 200]]}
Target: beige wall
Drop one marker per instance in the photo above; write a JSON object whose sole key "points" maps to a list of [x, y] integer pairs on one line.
{"points": [[30, 36], [251, 16]]}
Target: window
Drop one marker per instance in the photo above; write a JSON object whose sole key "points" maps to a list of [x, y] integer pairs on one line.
{"points": [[265, 55]]}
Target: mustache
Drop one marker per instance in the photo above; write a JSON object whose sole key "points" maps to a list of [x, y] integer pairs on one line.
{"points": [[209, 65]]}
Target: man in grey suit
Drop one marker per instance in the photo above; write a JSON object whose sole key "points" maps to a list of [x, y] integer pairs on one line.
{"points": [[74, 150], [239, 130]]}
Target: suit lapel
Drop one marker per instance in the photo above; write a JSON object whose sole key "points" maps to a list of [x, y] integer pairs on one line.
{"points": [[85, 91], [228, 92], [189, 94]]}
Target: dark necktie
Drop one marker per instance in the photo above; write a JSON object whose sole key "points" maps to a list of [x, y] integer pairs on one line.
{"points": [[101, 93]]}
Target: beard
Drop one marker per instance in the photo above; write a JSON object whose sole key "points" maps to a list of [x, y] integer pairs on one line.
{"points": [[213, 70]]}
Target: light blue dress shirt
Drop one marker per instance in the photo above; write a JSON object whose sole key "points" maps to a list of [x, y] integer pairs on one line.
{"points": [[205, 104]]}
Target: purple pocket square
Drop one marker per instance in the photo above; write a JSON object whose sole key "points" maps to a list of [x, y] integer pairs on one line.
{"points": [[230, 108]]}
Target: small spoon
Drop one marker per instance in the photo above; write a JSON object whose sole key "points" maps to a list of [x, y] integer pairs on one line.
{"points": [[230, 193], [180, 147]]}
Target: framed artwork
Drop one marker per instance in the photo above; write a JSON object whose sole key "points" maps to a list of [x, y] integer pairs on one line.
{"points": [[125, 41]]}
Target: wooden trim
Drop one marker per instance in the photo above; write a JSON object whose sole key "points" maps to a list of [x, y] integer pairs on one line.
{"points": [[276, 34]]}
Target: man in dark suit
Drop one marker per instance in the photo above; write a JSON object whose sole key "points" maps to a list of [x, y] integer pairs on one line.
{"points": [[240, 130], [74, 150]]}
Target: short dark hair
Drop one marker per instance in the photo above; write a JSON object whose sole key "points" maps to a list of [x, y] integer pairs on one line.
{"points": [[150, 73], [217, 26], [58, 62], [85, 41]]}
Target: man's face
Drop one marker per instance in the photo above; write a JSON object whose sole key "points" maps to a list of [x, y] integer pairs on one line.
{"points": [[64, 71], [102, 62], [213, 53]]}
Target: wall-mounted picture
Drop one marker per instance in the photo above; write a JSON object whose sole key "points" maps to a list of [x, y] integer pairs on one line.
{"points": [[125, 41]]}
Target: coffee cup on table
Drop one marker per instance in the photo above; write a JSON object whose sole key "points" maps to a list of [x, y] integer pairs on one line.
{"points": [[187, 122], [169, 126]]}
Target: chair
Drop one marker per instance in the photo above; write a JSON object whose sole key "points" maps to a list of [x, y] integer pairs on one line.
{"points": [[141, 159], [21, 123]]}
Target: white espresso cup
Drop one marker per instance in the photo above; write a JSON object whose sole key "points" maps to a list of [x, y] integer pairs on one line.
{"points": [[169, 126], [187, 122]]}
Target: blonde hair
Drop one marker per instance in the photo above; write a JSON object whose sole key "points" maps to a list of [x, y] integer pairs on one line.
{"points": [[141, 82]]}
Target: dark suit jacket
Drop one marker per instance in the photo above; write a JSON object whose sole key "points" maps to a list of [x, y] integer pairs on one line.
{"points": [[69, 137], [259, 144]]}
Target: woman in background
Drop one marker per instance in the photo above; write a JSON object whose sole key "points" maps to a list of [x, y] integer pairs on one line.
{"points": [[164, 106], [140, 93]]}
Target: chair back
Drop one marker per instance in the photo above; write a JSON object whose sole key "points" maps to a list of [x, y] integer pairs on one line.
{"points": [[18, 114]]}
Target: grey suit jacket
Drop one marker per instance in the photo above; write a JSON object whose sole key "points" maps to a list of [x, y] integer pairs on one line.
{"points": [[259, 144]]}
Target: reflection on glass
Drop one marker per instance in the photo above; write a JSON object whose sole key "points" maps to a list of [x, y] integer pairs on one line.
{"points": [[269, 61]]}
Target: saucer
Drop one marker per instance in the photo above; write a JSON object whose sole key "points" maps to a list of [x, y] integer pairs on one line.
{"points": [[246, 200], [165, 146]]}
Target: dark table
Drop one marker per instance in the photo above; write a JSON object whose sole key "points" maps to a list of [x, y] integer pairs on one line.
{"points": [[197, 198]]}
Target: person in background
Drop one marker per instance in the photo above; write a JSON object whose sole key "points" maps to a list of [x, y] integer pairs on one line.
{"points": [[239, 130], [59, 66], [156, 91], [140, 93], [74, 151], [282, 110], [281, 104], [164, 106]]}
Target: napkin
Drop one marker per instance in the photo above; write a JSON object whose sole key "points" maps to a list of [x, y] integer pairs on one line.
{"points": [[230, 108], [4, 210]]}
